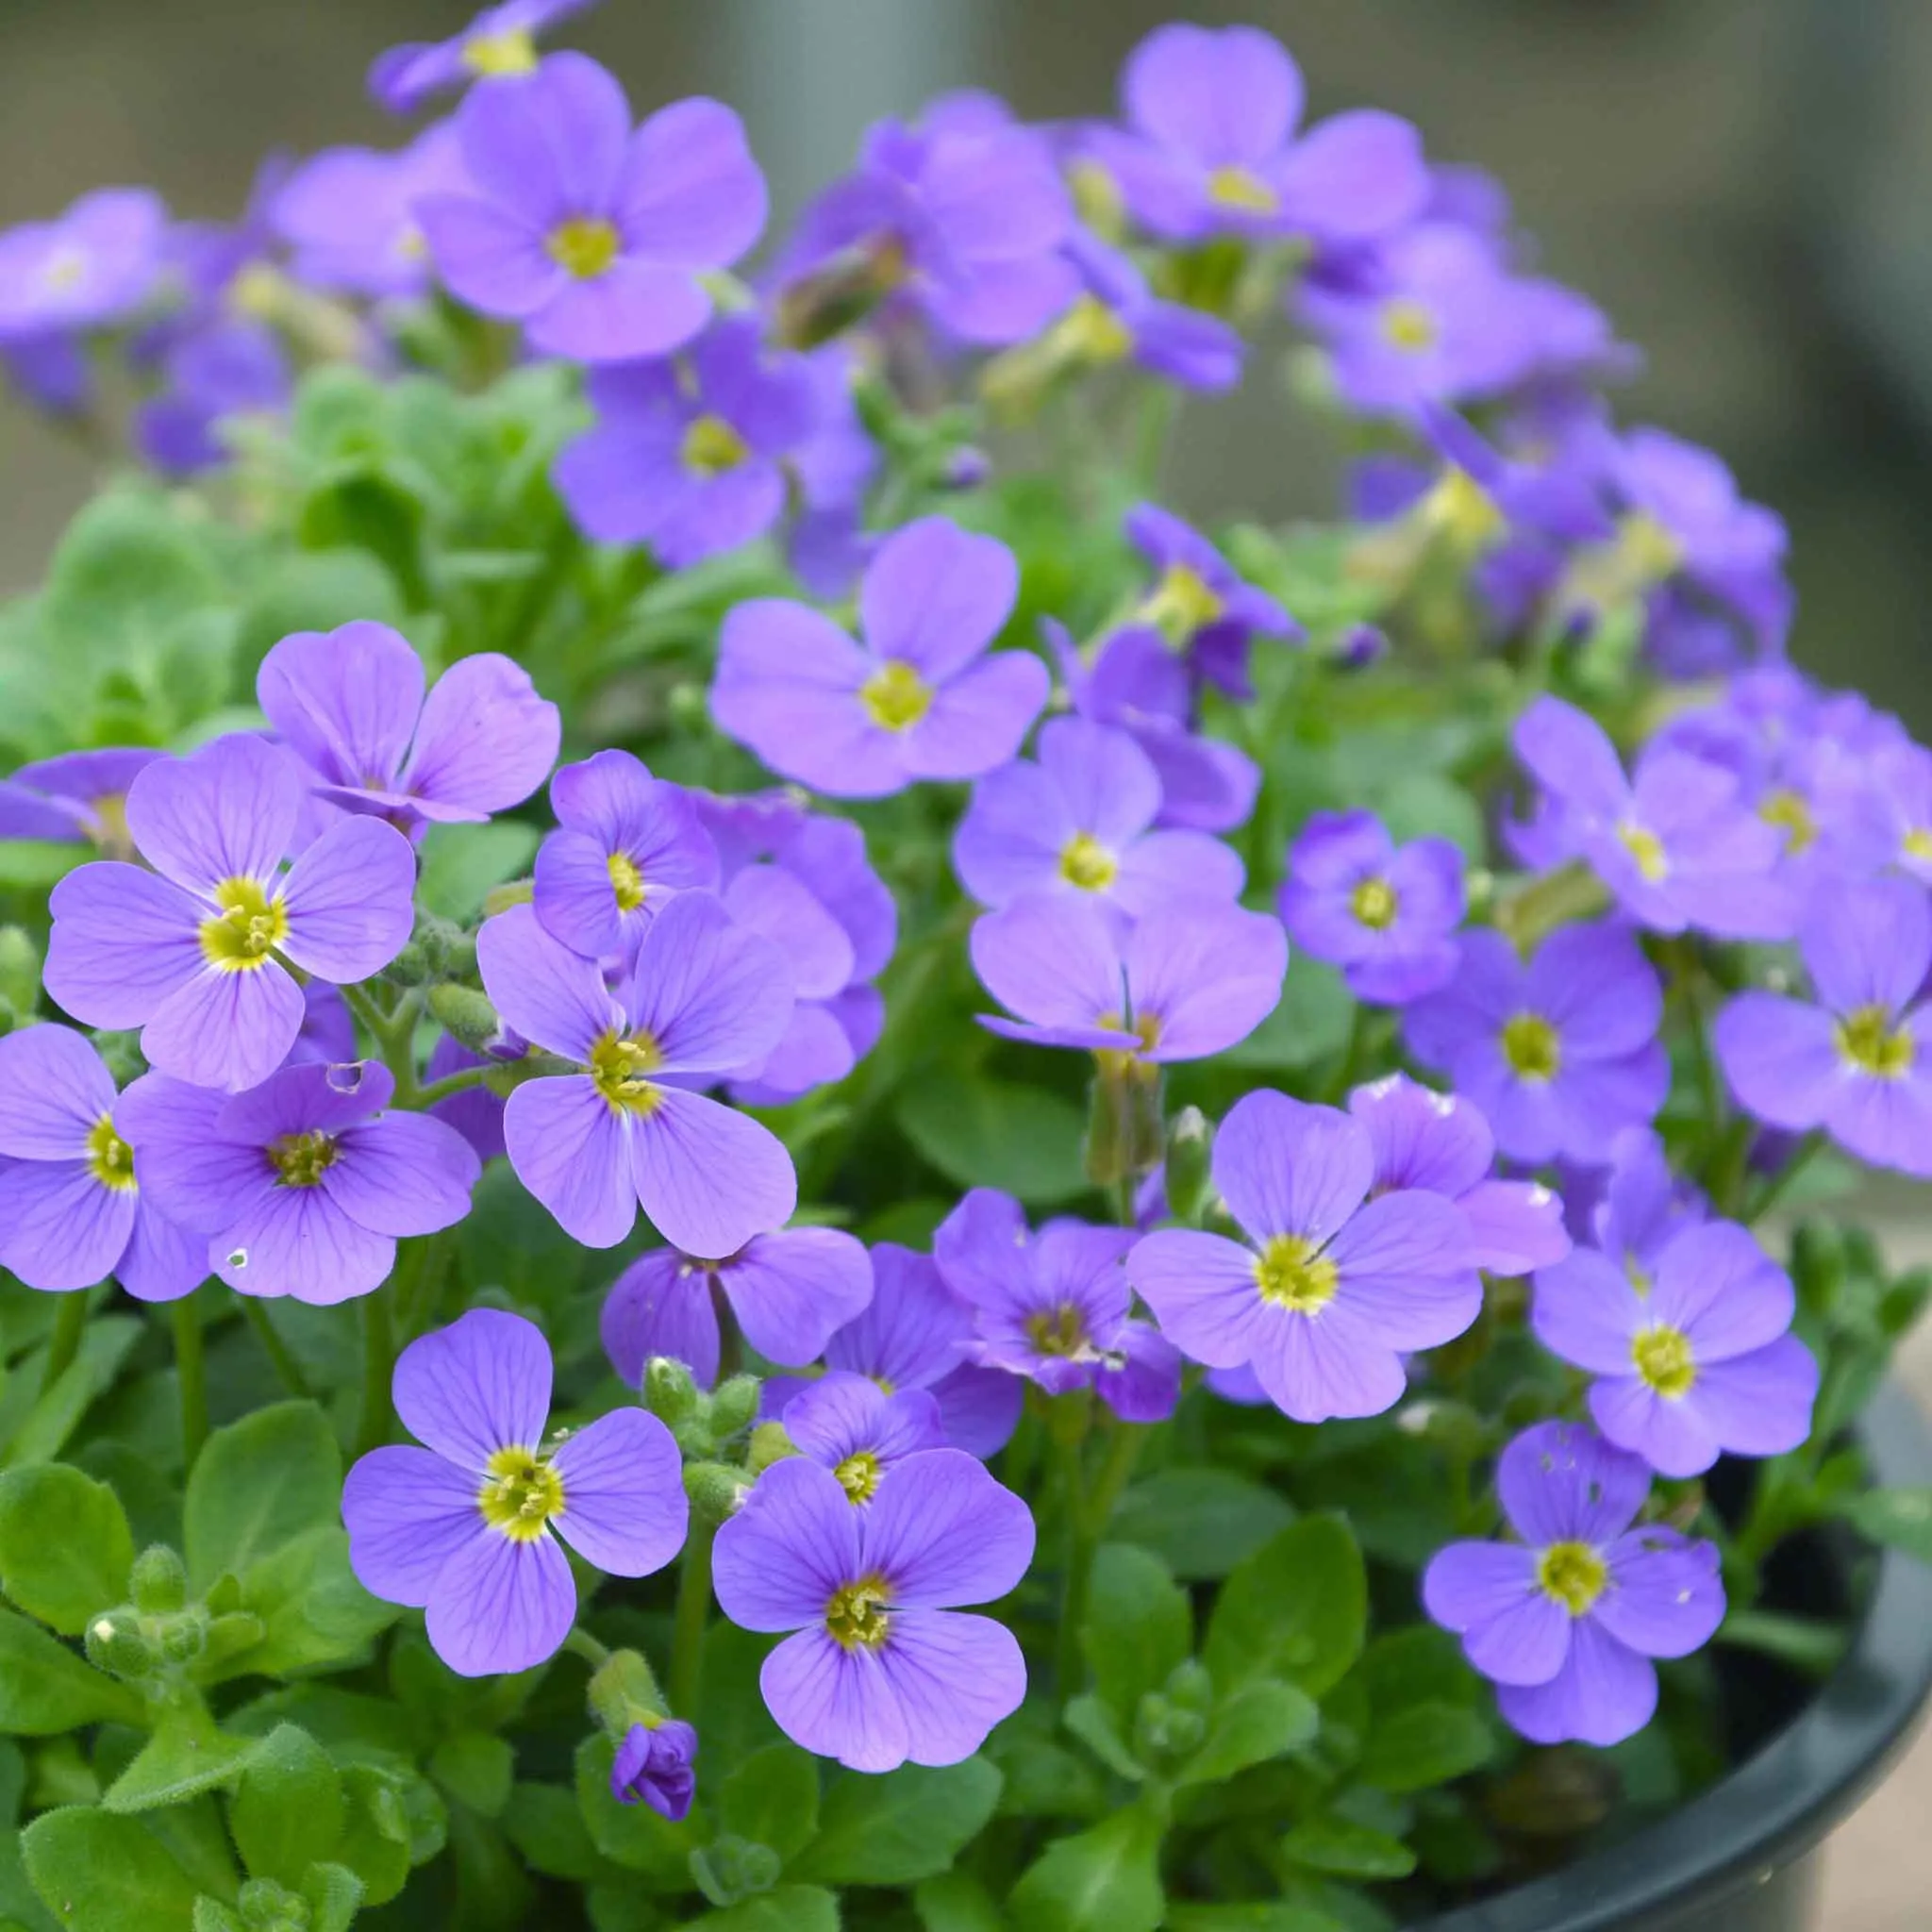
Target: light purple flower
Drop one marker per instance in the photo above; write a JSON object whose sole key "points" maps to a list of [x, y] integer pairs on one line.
{"points": [[50, 371], [652, 1764], [1856, 1060], [849, 1424], [231, 367], [73, 1209], [1199, 604], [88, 268], [1329, 1290], [192, 952], [467, 1527], [476, 1113], [301, 1186], [502, 40], [1566, 1621], [788, 1292], [1190, 979], [1079, 820], [78, 795], [1055, 1307], [1386, 914], [703, 997], [882, 1668], [595, 239], [350, 704], [1561, 1054], [918, 699], [1631, 1209]]}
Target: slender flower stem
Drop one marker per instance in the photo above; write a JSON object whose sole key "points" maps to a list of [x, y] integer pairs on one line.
{"points": [[459, 1082], [255, 1312], [688, 1621], [1090, 1513], [1774, 1189], [378, 1365], [581, 1643], [191, 1367], [394, 1034], [70, 1328]]}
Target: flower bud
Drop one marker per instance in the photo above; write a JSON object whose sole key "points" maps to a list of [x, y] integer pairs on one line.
{"points": [[183, 1637], [159, 1582], [410, 967], [670, 1392], [715, 1489], [266, 1907], [465, 1014], [654, 1765], [20, 970], [733, 1405], [769, 1444], [1190, 1688], [623, 1692], [1189, 1149], [114, 1645]]}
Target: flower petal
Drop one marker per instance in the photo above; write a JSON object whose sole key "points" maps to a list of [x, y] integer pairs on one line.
{"points": [[945, 1533], [1603, 1694], [978, 718], [59, 1227], [480, 1385], [226, 1029], [1560, 1482], [344, 701], [226, 811], [350, 899], [834, 1701], [935, 595], [788, 1550], [297, 1241], [708, 1176], [54, 1092], [499, 1605], [123, 941], [662, 1304], [486, 740], [402, 1173], [1203, 1290], [955, 1677], [408, 1513], [542, 988], [1665, 1597], [623, 1501], [711, 993], [1286, 1168], [791, 1290]]}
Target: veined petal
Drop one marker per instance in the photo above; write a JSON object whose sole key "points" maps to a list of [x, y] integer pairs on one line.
{"points": [[708, 1177], [351, 901], [402, 1173], [955, 1679], [486, 740], [542, 990], [226, 1029], [480, 1385], [662, 1304], [344, 701], [59, 1227], [623, 1501], [790, 1547], [570, 1149], [124, 939], [226, 811], [944, 1533], [500, 1605], [407, 1513], [54, 1092]]}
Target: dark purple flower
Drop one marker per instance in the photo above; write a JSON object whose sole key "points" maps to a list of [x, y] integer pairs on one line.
{"points": [[849, 1424], [89, 268], [1566, 1621], [1199, 604], [50, 371], [882, 1668], [652, 1764], [595, 239], [78, 795], [467, 1527], [502, 40]]}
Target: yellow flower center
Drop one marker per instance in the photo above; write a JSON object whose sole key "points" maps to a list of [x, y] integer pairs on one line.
{"points": [[1873, 1044], [1241, 188], [711, 447], [858, 1476], [1097, 196], [1058, 1331], [583, 246], [1662, 1355], [65, 269], [1530, 1046], [1374, 903], [1086, 863], [302, 1160], [512, 51], [1918, 844], [1118, 1061], [856, 1614], [1647, 549], [626, 881], [1182, 603], [1787, 810], [895, 696], [1646, 849], [622, 1064], [109, 1158], [248, 928], [1408, 326], [1292, 1273], [110, 823], [521, 1492], [1463, 511], [1092, 332], [1571, 1575]]}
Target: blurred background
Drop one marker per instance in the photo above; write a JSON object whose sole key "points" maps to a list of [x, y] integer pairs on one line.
{"points": [[1743, 184]]}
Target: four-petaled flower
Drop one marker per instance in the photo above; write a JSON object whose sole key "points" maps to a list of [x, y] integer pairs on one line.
{"points": [[852, 1426], [502, 40]]}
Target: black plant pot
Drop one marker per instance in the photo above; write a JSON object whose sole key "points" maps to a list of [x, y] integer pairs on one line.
{"points": [[1746, 1855]]}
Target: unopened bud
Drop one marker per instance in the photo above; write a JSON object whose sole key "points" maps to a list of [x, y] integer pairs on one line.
{"points": [[1189, 1151], [733, 1405], [114, 1645], [410, 967], [624, 1692], [465, 1014], [183, 1637], [769, 1444], [715, 1489], [670, 1392], [159, 1581]]}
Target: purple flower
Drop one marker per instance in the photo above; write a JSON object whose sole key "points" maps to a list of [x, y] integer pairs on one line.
{"points": [[1856, 1060], [349, 703], [627, 843], [1386, 915], [915, 1334], [73, 1209], [1056, 1306], [654, 1764], [849, 1424], [1640, 1205], [80, 794], [192, 952], [231, 367], [1213, 150], [702, 997], [1078, 821], [1190, 979], [467, 1527], [1199, 604], [786, 1290], [1330, 1289], [1441, 1144], [1561, 1054], [328, 1029], [301, 1186], [882, 1668], [918, 699], [501, 39], [89, 268], [1565, 1622], [476, 1113], [597, 238], [1695, 1361]]}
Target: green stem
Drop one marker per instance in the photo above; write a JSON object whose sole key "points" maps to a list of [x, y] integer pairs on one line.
{"points": [[581, 1643], [395, 1037], [255, 1312], [1353, 1054], [378, 1363], [70, 1325], [191, 1367], [1125, 1188], [1090, 1514], [688, 1621], [1773, 1190], [460, 1082]]}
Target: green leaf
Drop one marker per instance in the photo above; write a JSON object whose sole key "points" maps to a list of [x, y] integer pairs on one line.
{"points": [[257, 1485], [334, 1892], [1200, 1521], [1346, 1850], [376, 1842], [1102, 1880], [1296, 1608], [772, 1799], [985, 1134], [475, 1769], [906, 1825], [632, 1836], [129, 569], [1427, 1744], [65, 1546], [312, 1610], [1258, 1721], [290, 1810], [101, 1873], [957, 1902], [1423, 1664], [187, 1754], [461, 864], [1901, 1519], [545, 1825], [1095, 1725], [1807, 1644], [1426, 805], [1139, 1626], [44, 1687], [52, 1416], [1310, 1022], [790, 1908], [1272, 1916]]}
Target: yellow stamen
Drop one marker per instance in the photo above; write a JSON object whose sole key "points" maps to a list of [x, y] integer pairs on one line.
{"points": [[1182, 603], [1647, 549], [1647, 849], [621, 1065], [1061, 1331], [1874, 1045], [1118, 1061], [247, 929], [1463, 511], [1086, 863], [856, 1614], [1531, 1047], [512, 51], [302, 1160], [1092, 332], [895, 696], [711, 447], [1241, 188], [1293, 1273], [1571, 1575], [109, 1158], [520, 1494], [1374, 903], [583, 246], [1789, 810], [858, 1476], [1409, 325], [1917, 845], [1662, 1355], [626, 881]]}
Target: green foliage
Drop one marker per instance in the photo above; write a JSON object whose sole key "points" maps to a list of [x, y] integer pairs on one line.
{"points": [[1297, 1607], [985, 1134], [906, 1825], [1104, 1880], [46, 1688], [65, 1546], [98, 1872]]}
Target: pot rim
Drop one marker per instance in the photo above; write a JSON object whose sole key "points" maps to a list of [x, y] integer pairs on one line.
{"points": [[1785, 1800]]}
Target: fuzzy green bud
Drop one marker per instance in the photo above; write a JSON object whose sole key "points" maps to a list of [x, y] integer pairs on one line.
{"points": [[769, 1444], [1189, 1149], [267, 1907], [20, 970], [670, 1393], [624, 1692], [114, 1645], [465, 1014], [715, 1489], [689, 708], [410, 967], [733, 1405], [159, 1580], [1190, 1688], [183, 1637]]}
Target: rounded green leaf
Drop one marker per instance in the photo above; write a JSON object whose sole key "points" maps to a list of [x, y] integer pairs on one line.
{"points": [[65, 1546], [257, 1485], [289, 1812], [98, 1872]]}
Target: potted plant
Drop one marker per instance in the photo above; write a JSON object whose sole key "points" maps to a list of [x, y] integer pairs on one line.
{"points": [[767, 1163]]}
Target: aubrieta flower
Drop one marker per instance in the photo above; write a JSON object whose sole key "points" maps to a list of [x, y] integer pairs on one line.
{"points": [[653, 1766], [1639, 1205], [595, 239], [702, 997], [882, 1668], [1386, 914], [1200, 604], [1328, 1289], [849, 1424], [918, 699], [1055, 1307], [467, 1527], [502, 40], [1694, 1361], [301, 1186], [625, 842], [80, 795], [1855, 1060], [192, 952], [1191, 978], [73, 1209], [230, 368], [1560, 1053], [92, 266], [1566, 1621], [1079, 820], [1441, 1144], [788, 1292], [349, 703]]}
